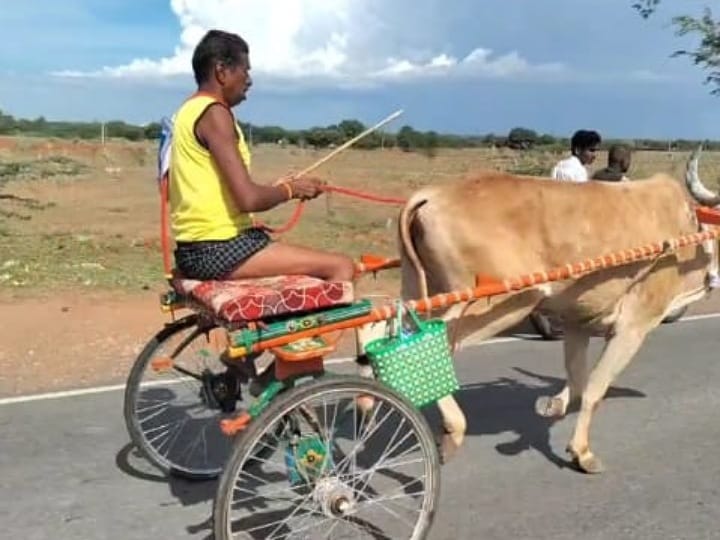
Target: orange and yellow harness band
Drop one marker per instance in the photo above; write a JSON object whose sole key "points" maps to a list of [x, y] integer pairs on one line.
{"points": [[487, 287]]}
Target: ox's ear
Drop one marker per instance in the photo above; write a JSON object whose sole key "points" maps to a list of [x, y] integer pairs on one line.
{"points": [[695, 186]]}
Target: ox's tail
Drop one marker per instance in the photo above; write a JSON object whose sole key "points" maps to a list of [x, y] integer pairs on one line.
{"points": [[407, 245]]}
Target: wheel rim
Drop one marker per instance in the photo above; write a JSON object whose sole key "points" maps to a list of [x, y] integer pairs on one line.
{"points": [[371, 475], [178, 414]]}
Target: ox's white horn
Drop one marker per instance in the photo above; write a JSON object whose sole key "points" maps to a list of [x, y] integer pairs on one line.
{"points": [[695, 186]]}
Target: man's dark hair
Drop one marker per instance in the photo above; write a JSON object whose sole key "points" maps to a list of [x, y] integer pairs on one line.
{"points": [[618, 164], [217, 46], [619, 157], [583, 139]]}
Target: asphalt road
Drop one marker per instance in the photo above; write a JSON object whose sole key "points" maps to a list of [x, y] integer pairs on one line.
{"points": [[67, 472]]}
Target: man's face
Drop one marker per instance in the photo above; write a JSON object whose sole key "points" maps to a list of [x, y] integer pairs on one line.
{"points": [[587, 155], [235, 80]]}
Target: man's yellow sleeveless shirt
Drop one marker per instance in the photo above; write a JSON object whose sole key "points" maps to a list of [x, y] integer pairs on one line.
{"points": [[201, 206]]}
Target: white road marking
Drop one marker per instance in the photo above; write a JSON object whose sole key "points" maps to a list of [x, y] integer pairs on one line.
{"points": [[332, 361], [692, 318], [64, 394]]}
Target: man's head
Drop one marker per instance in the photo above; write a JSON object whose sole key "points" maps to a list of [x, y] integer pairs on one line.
{"points": [[619, 157], [221, 62], [584, 144]]}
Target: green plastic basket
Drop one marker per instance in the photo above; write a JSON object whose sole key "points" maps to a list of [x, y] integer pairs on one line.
{"points": [[417, 364]]}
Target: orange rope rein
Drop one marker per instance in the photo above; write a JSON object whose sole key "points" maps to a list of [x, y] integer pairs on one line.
{"points": [[364, 195], [164, 227], [291, 223], [294, 220], [297, 213]]}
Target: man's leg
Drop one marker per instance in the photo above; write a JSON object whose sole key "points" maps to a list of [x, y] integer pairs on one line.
{"points": [[282, 259]]}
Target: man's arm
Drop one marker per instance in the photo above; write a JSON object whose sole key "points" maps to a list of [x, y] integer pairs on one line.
{"points": [[216, 130]]}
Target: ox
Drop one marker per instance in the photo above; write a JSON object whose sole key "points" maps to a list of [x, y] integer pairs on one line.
{"points": [[501, 225]]}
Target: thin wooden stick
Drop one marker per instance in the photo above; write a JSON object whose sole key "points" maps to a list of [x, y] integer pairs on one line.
{"points": [[348, 144]]}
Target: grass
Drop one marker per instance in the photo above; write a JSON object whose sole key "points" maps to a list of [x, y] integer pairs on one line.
{"points": [[82, 216], [47, 262], [41, 168]]}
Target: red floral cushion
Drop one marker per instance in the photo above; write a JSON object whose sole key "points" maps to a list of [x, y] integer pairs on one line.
{"points": [[255, 299]]}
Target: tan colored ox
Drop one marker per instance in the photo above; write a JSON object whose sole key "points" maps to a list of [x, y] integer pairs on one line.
{"points": [[500, 225]]}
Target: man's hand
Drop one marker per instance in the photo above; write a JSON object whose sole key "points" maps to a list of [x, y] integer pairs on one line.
{"points": [[303, 188], [307, 187]]}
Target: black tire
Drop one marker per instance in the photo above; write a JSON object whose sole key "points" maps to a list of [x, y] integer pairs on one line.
{"points": [[545, 326], [282, 409], [170, 463], [675, 315]]}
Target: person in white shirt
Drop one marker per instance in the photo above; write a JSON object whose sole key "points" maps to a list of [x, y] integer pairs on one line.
{"points": [[583, 146]]}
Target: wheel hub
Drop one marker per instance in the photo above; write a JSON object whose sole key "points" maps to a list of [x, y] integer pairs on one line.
{"points": [[335, 498]]}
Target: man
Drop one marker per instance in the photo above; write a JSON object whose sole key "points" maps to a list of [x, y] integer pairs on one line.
{"points": [[583, 147], [212, 195], [619, 158]]}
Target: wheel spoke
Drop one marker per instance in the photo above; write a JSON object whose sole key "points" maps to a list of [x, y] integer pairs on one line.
{"points": [[173, 416], [374, 481]]}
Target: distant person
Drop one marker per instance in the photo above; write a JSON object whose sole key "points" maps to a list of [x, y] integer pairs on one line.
{"points": [[583, 148], [619, 158]]}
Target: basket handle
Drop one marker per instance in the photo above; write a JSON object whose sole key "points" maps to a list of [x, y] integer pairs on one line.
{"points": [[413, 315], [396, 331]]}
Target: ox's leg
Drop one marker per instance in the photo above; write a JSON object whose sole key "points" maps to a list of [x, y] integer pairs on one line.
{"points": [[619, 350], [575, 344], [480, 321], [711, 248], [364, 335]]}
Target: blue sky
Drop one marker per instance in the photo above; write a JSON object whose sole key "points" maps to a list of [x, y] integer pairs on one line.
{"points": [[463, 66]]}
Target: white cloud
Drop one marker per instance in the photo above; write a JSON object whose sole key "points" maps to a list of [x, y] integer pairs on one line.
{"points": [[315, 42], [645, 75], [478, 63]]}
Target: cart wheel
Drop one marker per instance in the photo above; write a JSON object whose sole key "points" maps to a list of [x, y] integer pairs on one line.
{"points": [[331, 471], [177, 392]]}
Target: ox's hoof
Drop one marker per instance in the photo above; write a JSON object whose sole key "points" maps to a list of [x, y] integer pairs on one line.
{"points": [[448, 448], [587, 462], [550, 407], [365, 404]]}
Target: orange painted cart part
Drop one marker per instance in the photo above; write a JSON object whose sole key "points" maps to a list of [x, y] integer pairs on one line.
{"points": [[709, 216]]}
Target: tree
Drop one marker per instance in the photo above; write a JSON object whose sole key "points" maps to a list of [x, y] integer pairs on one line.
{"points": [[152, 131], [407, 138], [521, 138], [323, 137], [430, 143], [546, 140], [707, 53], [369, 142], [351, 128]]}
